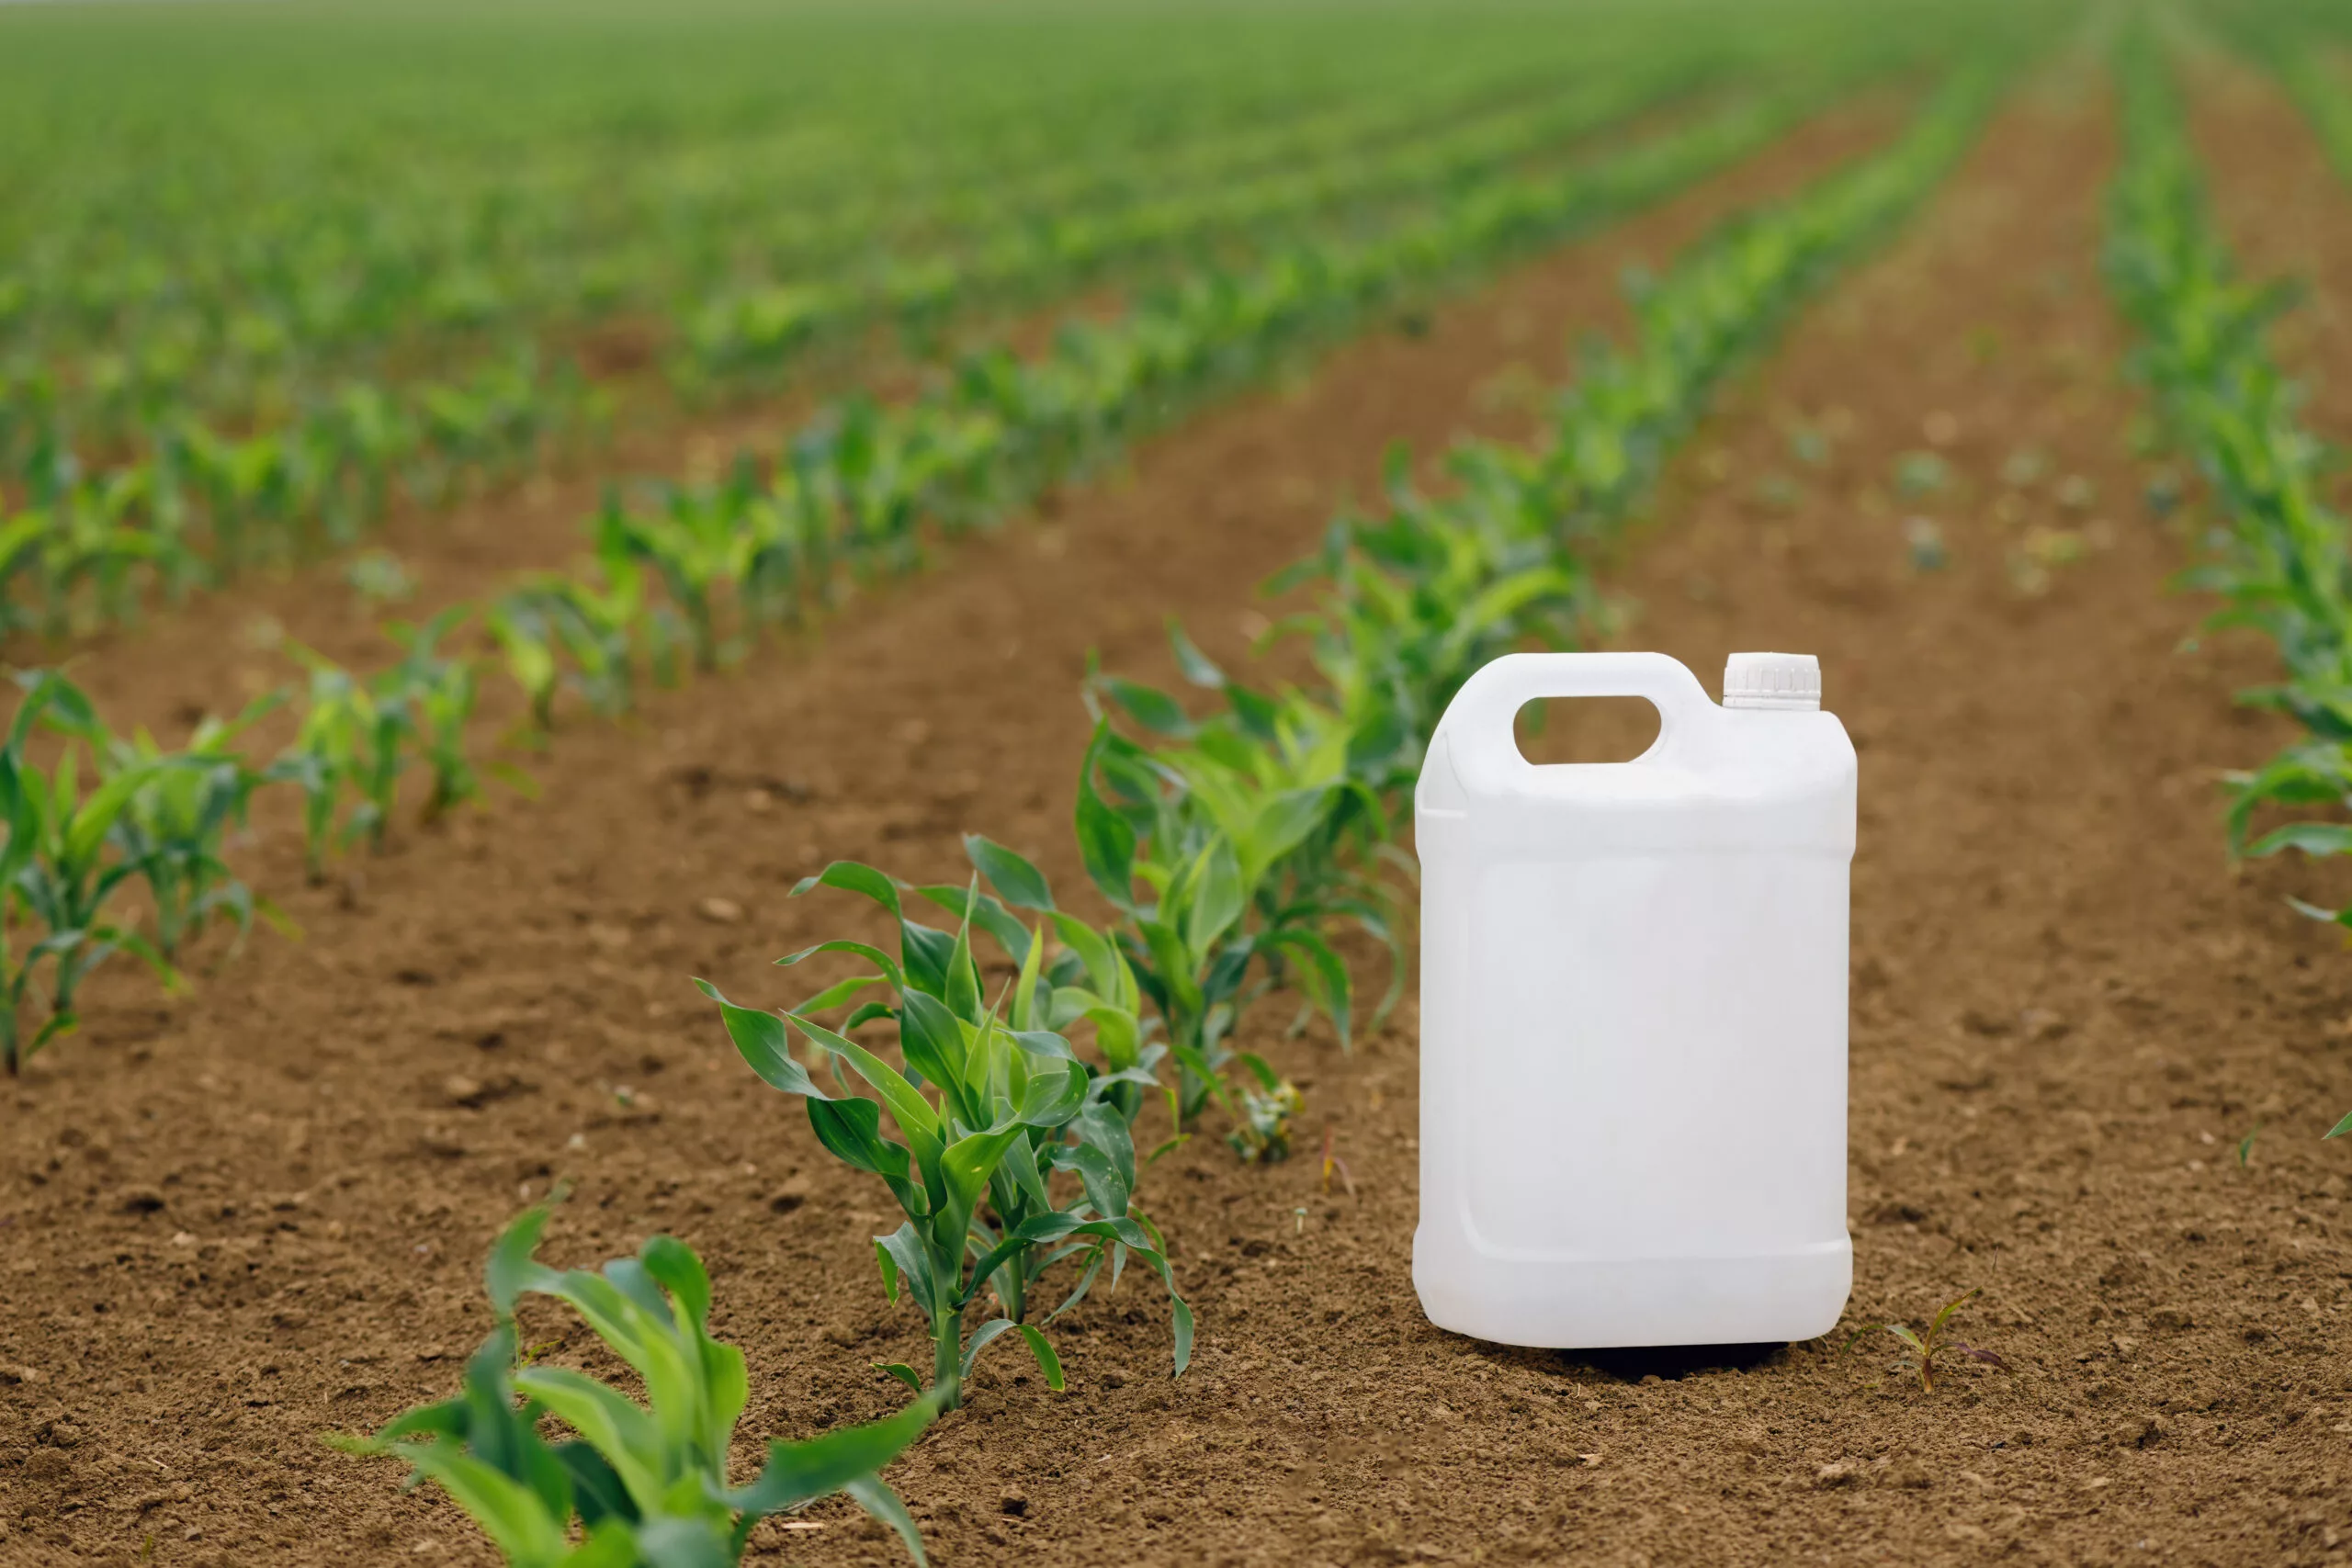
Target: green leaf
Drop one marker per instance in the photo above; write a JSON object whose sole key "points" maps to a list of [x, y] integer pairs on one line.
{"points": [[1321, 973], [913, 1113], [596, 1488], [985, 911], [868, 1493], [684, 1541], [903, 1260], [2340, 1128], [854, 876], [1152, 708], [1217, 897], [514, 1267], [1039, 1348], [765, 1045], [510, 1512], [1106, 844], [962, 993], [851, 1130], [674, 1263], [629, 1439], [799, 1473], [873, 955], [2310, 837], [1196, 666], [1016, 881], [932, 1039], [967, 1162]]}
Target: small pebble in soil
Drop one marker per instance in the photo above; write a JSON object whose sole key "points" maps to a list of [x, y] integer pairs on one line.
{"points": [[722, 911]]}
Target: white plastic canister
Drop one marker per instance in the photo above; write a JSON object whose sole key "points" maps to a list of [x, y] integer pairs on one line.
{"points": [[1633, 999]]}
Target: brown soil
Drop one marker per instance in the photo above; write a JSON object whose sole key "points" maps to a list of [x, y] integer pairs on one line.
{"points": [[237, 1221]]}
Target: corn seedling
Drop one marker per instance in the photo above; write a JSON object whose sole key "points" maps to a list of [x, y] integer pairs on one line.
{"points": [[347, 743], [1203, 829], [645, 1484], [992, 1107], [435, 692], [557, 632], [173, 828], [63, 863], [1922, 1349]]}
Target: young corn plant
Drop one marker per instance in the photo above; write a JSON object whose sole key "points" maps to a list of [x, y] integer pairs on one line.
{"points": [[522, 623], [638, 1485], [708, 547], [348, 743], [63, 865], [436, 693], [175, 827], [557, 632], [992, 1107], [1207, 830]]}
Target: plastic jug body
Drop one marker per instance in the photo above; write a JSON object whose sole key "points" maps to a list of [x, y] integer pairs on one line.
{"points": [[1634, 997]]}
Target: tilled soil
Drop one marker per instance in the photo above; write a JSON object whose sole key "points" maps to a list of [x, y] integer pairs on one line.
{"points": [[240, 1220]]}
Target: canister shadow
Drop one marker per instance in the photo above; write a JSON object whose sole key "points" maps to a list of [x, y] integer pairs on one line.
{"points": [[1669, 1363]]}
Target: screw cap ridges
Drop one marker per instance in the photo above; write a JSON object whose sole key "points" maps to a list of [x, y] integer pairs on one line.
{"points": [[1773, 680]]}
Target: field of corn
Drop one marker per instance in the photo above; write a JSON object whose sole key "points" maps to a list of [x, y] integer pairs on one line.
{"points": [[705, 834]]}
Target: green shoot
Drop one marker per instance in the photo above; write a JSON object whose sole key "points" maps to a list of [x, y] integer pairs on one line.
{"points": [[172, 827], [992, 1107], [62, 863], [647, 1483]]}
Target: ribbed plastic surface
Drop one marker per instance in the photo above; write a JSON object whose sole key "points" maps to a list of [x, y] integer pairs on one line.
{"points": [[1773, 680]]}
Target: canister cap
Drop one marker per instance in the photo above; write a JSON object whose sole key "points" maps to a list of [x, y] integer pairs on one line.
{"points": [[1773, 680]]}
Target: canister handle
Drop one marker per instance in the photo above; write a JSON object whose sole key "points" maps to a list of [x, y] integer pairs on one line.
{"points": [[1479, 722]]}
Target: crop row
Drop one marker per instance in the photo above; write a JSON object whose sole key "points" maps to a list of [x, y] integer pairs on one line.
{"points": [[198, 507], [1020, 257], [244, 306], [387, 296], [2282, 560]]}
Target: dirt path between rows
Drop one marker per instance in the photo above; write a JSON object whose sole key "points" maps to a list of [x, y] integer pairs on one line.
{"points": [[233, 1222]]}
